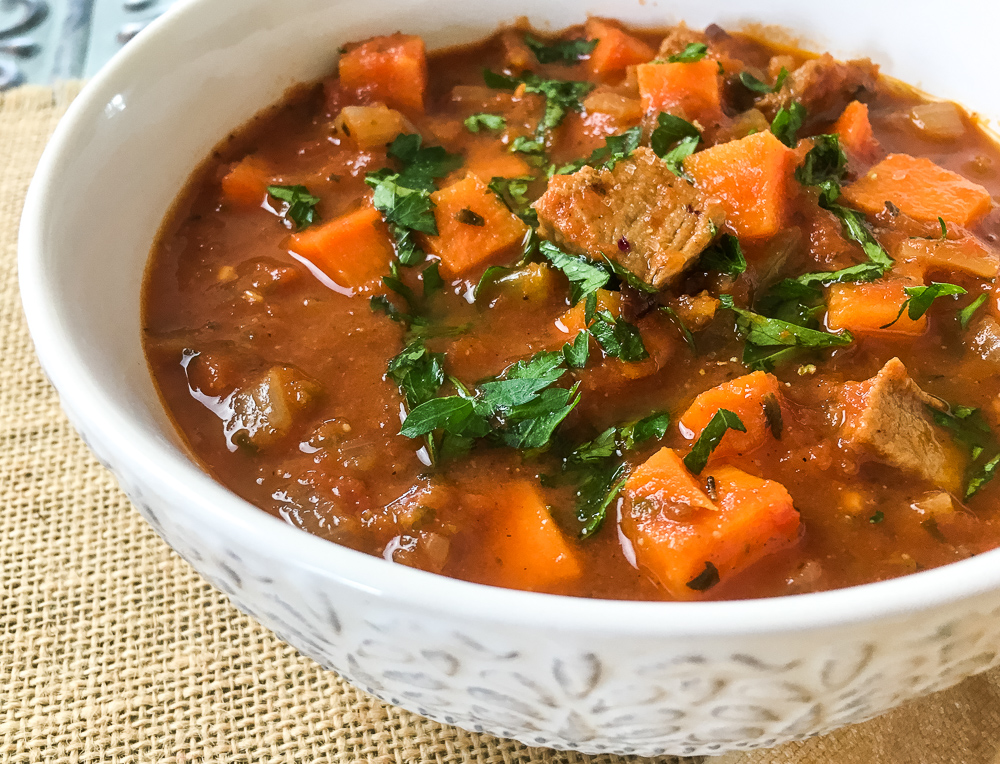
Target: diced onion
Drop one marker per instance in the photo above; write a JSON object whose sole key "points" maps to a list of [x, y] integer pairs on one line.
{"points": [[939, 121]]}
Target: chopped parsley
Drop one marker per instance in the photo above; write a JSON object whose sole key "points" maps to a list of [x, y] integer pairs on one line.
{"points": [[467, 217], [968, 428], [753, 84], [725, 256], [418, 372], [598, 469], [484, 121], [577, 351], [432, 280], [919, 299], [965, 314], [561, 96], [520, 409], [299, 205], [421, 165], [878, 517], [566, 52], [688, 336], [705, 580], [513, 193], [693, 52], [762, 331], [615, 148], [585, 276], [674, 140], [824, 167], [787, 123], [772, 415], [722, 422], [618, 338]]}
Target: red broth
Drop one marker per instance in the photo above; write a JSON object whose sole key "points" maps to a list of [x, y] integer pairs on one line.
{"points": [[269, 334]]}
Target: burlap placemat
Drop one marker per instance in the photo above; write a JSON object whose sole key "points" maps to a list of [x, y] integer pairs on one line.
{"points": [[113, 649]]}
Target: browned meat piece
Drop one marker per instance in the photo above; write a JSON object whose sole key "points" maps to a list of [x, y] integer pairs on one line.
{"points": [[823, 85], [887, 415], [638, 214]]}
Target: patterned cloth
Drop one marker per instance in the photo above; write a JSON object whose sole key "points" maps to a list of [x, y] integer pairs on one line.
{"points": [[112, 649]]}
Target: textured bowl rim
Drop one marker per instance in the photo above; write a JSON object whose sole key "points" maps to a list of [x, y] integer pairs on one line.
{"points": [[99, 415]]}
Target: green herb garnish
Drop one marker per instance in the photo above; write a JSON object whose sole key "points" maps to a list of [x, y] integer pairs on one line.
{"points": [[585, 277], [725, 256], [824, 167], [615, 148], [919, 299], [787, 123], [300, 205], [485, 121], [674, 140], [564, 52], [965, 314], [561, 96], [752, 83], [693, 52], [705, 580], [722, 422], [618, 337]]}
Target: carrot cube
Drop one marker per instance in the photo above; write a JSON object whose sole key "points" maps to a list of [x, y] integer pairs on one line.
{"points": [[354, 250], [747, 397], [616, 50], [867, 308], [750, 178], [392, 70], [246, 183], [531, 551], [920, 189], [473, 226], [856, 135], [677, 531], [687, 90]]}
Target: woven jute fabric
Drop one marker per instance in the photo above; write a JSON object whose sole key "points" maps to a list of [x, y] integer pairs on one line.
{"points": [[112, 649]]}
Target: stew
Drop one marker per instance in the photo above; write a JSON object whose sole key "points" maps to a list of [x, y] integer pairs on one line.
{"points": [[610, 313]]}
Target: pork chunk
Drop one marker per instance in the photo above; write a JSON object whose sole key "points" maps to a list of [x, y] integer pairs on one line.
{"points": [[638, 214], [823, 85], [888, 416]]}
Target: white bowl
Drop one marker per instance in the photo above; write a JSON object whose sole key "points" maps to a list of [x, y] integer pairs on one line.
{"points": [[648, 678]]}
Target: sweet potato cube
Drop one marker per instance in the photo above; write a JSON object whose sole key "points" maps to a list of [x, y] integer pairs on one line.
{"points": [[855, 131], [391, 70], [750, 178], [354, 250], [491, 160], [677, 531], [246, 183], [473, 226], [616, 50], [530, 549], [687, 90], [573, 320], [867, 308], [751, 398], [921, 190]]}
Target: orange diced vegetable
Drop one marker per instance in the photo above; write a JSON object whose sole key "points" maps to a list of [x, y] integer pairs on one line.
{"points": [[473, 226], [676, 530], [687, 90], [371, 126], [750, 179], [491, 160], [855, 131], [747, 397], [530, 549], [246, 184], [616, 50], [921, 190], [390, 69], [866, 308], [353, 250]]}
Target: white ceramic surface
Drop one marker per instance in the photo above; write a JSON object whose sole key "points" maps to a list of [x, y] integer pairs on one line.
{"points": [[569, 673]]}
